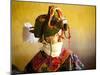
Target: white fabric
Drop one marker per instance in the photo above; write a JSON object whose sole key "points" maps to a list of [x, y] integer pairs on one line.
{"points": [[56, 49]]}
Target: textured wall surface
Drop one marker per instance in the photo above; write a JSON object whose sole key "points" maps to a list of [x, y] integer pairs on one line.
{"points": [[81, 20]]}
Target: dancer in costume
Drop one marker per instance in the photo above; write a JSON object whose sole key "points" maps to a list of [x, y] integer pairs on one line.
{"points": [[51, 30]]}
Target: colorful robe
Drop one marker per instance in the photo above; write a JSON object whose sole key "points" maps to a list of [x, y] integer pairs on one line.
{"points": [[42, 62]]}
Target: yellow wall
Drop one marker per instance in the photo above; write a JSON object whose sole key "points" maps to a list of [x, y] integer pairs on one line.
{"points": [[80, 18]]}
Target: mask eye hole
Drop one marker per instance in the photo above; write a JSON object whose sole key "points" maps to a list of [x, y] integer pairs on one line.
{"points": [[65, 26]]}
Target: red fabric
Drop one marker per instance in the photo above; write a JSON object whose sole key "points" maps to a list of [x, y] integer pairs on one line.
{"points": [[53, 63], [37, 61]]}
